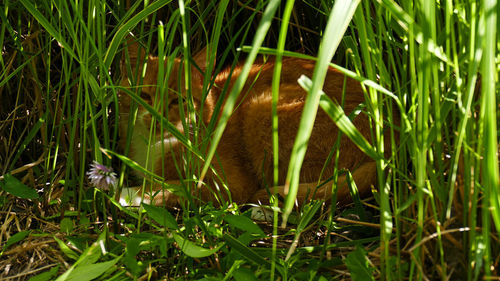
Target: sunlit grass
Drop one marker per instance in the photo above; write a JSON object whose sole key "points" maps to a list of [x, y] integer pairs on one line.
{"points": [[430, 75]]}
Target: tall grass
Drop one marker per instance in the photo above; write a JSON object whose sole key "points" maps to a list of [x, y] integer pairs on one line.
{"points": [[430, 75]]}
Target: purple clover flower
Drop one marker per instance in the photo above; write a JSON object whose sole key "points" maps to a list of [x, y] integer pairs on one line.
{"points": [[101, 176]]}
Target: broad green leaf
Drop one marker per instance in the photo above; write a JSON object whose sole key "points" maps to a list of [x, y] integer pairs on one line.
{"points": [[16, 238], [91, 271], [193, 250], [15, 187], [89, 257], [358, 265], [161, 216], [131, 251], [93, 253], [46, 276], [65, 249], [244, 223], [244, 274], [66, 225]]}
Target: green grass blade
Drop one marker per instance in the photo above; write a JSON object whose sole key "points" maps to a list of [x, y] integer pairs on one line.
{"points": [[338, 21], [32, 133], [167, 125], [127, 26], [407, 21], [337, 114], [490, 175], [309, 211], [4, 81], [50, 29], [275, 140], [260, 34], [489, 110], [249, 254]]}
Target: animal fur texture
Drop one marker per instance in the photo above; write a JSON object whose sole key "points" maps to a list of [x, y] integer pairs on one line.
{"points": [[244, 154]]}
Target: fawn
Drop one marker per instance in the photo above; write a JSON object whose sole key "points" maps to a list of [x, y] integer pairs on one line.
{"points": [[244, 154]]}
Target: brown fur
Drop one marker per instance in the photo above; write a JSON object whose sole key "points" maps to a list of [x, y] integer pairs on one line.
{"points": [[244, 154]]}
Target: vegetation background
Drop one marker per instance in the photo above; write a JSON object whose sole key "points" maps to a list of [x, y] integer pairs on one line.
{"points": [[435, 212]]}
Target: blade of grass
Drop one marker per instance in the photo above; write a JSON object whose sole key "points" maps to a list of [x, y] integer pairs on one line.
{"points": [[240, 82], [250, 254], [4, 81], [337, 114], [275, 141], [309, 211], [50, 29], [475, 59], [167, 125], [372, 66], [338, 21], [490, 172], [407, 22], [490, 176], [127, 27]]}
